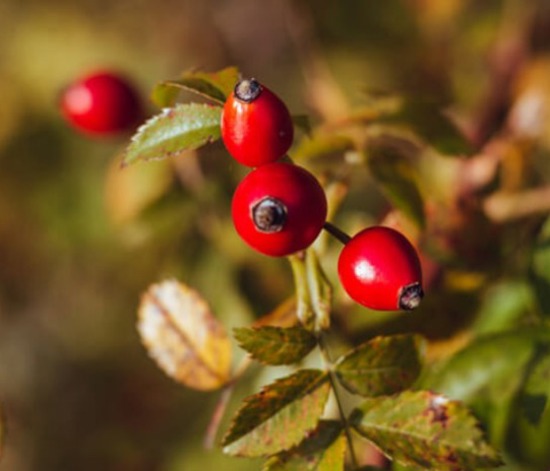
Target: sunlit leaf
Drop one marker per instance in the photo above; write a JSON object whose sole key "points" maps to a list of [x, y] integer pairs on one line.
{"points": [[383, 365], [394, 171], [425, 429], [322, 450], [323, 146], [487, 375], [216, 86], [183, 337], [279, 416], [540, 269], [276, 345], [174, 130]]}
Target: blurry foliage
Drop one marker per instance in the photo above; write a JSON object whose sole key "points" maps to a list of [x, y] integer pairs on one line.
{"points": [[79, 242]]}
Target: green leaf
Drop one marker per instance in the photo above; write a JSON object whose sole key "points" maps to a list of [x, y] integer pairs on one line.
{"points": [[394, 171], [323, 146], [216, 86], [488, 376], [540, 269], [322, 450], [506, 305], [425, 429], [279, 416], [276, 345], [528, 440], [384, 365], [184, 127]]}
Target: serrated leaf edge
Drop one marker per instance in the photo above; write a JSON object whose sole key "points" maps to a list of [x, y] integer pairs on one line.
{"points": [[317, 383]]}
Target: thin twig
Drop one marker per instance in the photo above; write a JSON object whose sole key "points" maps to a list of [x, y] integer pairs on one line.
{"points": [[334, 385], [336, 232]]}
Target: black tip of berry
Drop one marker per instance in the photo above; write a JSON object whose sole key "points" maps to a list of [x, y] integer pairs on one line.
{"points": [[269, 215], [248, 90], [410, 296]]}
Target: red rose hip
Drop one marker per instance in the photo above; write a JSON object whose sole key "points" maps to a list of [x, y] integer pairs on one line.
{"points": [[380, 269], [101, 103], [256, 125], [279, 209]]}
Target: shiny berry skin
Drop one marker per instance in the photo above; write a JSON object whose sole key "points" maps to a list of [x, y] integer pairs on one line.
{"points": [[101, 103], [380, 269], [279, 209], [256, 125]]}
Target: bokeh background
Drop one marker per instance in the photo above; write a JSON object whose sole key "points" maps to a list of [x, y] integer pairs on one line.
{"points": [[80, 240]]}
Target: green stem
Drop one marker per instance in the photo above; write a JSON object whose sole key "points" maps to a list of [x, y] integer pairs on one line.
{"points": [[334, 385], [303, 299], [320, 291], [336, 232]]}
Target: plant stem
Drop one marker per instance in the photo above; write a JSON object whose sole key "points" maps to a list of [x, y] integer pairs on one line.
{"points": [[334, 385], [336, 232]]}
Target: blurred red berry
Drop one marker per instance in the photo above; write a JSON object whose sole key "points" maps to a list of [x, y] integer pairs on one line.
{"points": [[101, 103]]}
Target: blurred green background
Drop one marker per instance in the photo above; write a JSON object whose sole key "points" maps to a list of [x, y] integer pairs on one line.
{"points": [[80, 239]]}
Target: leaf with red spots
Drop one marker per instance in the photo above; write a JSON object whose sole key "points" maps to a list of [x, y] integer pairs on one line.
{"points": [[175, 130], [215, 86], [279, 416], [384, 365], [183, 337], [276, 345], [322, 450], [424, 429]]}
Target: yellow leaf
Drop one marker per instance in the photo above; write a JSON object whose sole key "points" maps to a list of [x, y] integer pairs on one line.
{"points": [[183, 337]]}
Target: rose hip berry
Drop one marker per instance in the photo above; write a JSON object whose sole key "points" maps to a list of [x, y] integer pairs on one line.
{"points": [[279, 209], [256, 125], [101, 103], [379, 268]]}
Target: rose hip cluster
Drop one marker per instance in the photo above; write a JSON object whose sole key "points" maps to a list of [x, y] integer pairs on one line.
{"points": [[280, 208]]}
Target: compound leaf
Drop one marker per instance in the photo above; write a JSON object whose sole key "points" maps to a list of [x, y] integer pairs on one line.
{"points": [[488, 376], [384, 365], [279, 416], [424, 429], [322, 450], [183, 337], [174, 130], [276, 345]]}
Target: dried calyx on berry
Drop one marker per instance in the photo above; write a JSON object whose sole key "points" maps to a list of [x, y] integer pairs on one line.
{"points": [[279, 208], [256, 126], [248, 90], [379, 268], [269, 215]]}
